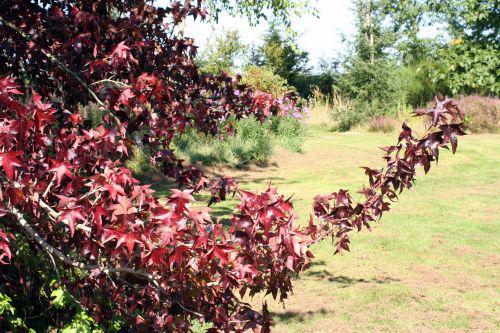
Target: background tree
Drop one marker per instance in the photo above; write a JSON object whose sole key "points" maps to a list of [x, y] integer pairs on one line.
{"points": [[367, 75], [280, 53], [474, 20], [254, 11], [222, 53], [472, 54], [406, 19]]}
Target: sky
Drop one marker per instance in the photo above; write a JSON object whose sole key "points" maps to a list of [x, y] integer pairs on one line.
{"points": [[320, 36]]}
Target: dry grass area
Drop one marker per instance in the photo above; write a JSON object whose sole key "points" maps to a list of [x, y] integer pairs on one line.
{"points": [[430, 265]]}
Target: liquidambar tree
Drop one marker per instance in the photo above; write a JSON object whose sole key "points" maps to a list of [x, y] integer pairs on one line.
{"points": [[83, 244]]}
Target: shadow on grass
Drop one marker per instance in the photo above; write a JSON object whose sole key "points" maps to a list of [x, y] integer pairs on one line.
{"points": [[346, 281], [296, 316]]}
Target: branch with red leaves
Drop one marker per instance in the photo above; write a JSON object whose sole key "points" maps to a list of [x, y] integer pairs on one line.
{"points": [[158, 266], [337, 213], [179, 250]]}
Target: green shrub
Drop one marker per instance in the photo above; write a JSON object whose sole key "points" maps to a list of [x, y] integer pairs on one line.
{"points": [[466, 68], [263, 78], [252, 142], [347, 119], [306, 83], [344, 115], [91, 113], [416, 85], [289, 131]]}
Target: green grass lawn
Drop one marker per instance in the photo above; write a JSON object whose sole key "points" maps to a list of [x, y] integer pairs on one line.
{"points": [[431, 264]]}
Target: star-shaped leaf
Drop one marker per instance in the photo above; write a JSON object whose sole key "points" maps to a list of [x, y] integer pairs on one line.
{"points": [[61, 169], [9, 161], [70, 217]]}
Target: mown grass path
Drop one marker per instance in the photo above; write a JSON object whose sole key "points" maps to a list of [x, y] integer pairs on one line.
{"points": [[431, 264]]}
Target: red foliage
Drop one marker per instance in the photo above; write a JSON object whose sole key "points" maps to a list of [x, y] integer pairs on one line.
{"points": [[159, 266]]}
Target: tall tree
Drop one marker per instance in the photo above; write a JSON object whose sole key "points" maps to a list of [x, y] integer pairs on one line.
{"points": [[280, 53], [373, 38], [254, 11], [406, 18], [474, 20], [221, 53]]}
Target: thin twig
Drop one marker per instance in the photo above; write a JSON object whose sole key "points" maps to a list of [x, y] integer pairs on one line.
{"points": [[55, 267], [52, 251], [47, 190], [118, 83], [28, 229], [53, 59]]}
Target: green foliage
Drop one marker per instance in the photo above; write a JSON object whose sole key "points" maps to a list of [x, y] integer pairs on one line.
{"points": [[254, 11], [263, 79], [92, 114], [5, 305], [306, 83], [374, 88], [200, 328], [373, 37], [369, 76], [467, 65], [61, 298], [8, 311], [472, 20], [406, 18], [252, 142], [81, 321], [139, 161], [415, 84], [346, 119], [280, 53], [220, 54], [289, 131], [466, 68]]}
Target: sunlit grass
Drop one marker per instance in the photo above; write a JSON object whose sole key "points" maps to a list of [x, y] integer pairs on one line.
{"points": [[431, 264]]}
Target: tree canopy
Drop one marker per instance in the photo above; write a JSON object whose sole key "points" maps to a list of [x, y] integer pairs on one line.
{"points": [[86, 246]]}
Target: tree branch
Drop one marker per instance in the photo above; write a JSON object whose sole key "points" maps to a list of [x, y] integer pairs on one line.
{"points": [[28, 229], [53, 59], [53, 252]]}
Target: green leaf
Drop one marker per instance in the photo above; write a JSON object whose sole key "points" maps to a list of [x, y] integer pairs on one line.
{"points": [[5, 304], [60, 298]]}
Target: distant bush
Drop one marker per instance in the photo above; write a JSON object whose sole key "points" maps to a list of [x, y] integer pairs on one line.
{"points": [[466, 68], [482, 113], [415, 84], [262, 78], [289, 131], [252, 142], [307, 83], [383, 124], [345, 115]]}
